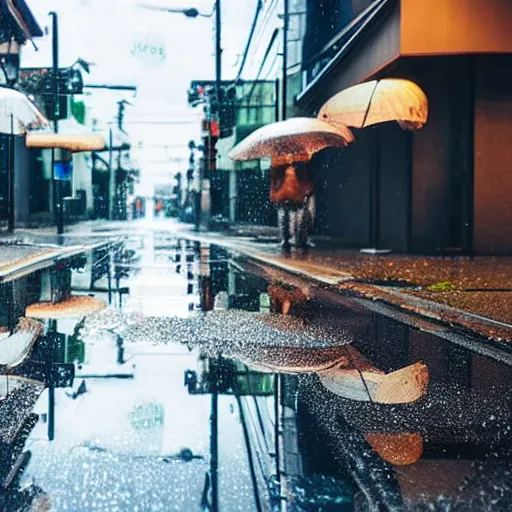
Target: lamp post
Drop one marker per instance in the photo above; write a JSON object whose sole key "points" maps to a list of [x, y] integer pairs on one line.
{"points": [[57, 196], [188, 12], [10, 61], [10, 66]]}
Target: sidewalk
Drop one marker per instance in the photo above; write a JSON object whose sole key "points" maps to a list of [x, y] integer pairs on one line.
{"points": [[474, 294], [18, 259], [28, 250]]}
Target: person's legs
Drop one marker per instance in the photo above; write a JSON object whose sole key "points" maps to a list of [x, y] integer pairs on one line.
{"points": [[302, 227], [283, 218], [311, 212]]}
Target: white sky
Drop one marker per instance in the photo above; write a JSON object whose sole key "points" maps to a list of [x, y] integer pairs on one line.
{"points": [[106, 31]]}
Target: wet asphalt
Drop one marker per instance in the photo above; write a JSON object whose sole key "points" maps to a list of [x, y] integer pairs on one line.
{"points": [[199, 394]]}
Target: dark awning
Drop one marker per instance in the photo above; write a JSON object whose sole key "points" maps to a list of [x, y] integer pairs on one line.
{"points": [[18, 21], [322, 64]]}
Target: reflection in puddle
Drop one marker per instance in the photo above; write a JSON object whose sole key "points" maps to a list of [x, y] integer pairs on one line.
{"points": [[206, 385]]}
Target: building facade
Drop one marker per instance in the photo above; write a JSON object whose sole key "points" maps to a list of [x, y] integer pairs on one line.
{"points": [[442, 190]]}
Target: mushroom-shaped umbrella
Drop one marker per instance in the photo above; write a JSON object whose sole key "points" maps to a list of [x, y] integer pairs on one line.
{"points": [[18, 114], [378, 101], [370, 103], [293, 140], [283, 344], [15, 346]]}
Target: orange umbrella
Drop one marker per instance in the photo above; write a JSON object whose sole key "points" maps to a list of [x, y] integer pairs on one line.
{"points": [[293, 140], [378, 101]]}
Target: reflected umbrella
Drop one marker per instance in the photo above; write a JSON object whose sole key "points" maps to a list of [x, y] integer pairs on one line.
{"points": [[377, 479], [405, 385], [278, 343], [399, 449], [72, 307], [283, 296], [16, 346]]}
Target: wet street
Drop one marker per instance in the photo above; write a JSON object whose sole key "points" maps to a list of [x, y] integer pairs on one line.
{"points": [[214, 383]]}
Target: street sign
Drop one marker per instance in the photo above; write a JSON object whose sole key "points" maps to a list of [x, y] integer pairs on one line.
{"points": [[63, 171]]}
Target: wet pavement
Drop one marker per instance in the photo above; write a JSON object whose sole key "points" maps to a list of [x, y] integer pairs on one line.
{"points": [[193, 391]]}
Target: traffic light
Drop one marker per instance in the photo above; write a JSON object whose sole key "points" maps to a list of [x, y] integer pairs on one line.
{"points": [[210, 152], [227, 112], [72, 81], [69, 81]]}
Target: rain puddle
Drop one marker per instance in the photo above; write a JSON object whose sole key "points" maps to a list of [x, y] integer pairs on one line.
{"points": [[210, 384]]}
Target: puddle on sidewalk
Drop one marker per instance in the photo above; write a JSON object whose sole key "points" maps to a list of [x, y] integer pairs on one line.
{"points": [[207, 386]]}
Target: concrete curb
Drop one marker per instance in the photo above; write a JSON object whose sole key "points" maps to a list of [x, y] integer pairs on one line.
{"points": [[482, 328]]}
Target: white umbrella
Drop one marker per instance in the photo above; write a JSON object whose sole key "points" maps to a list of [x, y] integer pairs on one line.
{"points": [[293, 140], [18, 114], [378, 101]]}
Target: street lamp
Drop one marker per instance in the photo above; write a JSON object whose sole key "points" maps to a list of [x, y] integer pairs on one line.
{"points": [[9, 62], [188, 12]]}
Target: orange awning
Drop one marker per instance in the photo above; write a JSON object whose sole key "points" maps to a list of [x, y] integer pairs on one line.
{"points": [[74, 143]]}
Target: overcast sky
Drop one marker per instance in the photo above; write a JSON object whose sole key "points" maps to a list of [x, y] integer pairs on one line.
{"points": [[113, 33]]}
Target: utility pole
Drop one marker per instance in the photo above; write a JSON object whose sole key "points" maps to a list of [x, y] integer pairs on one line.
{"points": [[284, 85], [57, 195], [112, 192], [112, 176], [218, 48], [11, 176], [219, 102], [57, 199]]}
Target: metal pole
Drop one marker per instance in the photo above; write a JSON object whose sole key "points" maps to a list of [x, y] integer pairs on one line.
{"points": [[109, 277], [56, 185], [10, 180], [218, 48], [247, 440], [214, 450], [51, 336], [218, 88], [277, 426], [284, 88], [112, 177]]}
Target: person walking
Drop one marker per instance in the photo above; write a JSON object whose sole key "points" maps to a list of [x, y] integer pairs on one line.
{"points": [[291, 190]]}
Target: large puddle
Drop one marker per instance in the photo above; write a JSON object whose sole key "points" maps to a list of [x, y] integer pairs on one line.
{"points": [[213, 384]]}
